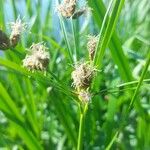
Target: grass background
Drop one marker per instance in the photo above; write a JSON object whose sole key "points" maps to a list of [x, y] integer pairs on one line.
{"points": [[33, 118]]}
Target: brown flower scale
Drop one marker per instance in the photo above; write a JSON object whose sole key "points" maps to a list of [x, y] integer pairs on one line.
{"points": [[91, 45]]}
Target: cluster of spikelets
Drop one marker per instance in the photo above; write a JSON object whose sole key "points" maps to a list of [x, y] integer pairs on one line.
{"points": [[38, 56], [38, 59], [84, 72], [82, 77], [16, 30], [67, 9]]}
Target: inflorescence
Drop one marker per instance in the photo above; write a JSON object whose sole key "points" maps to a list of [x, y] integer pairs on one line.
{"points": [[38, 59], [67, 9], [17, 29]]}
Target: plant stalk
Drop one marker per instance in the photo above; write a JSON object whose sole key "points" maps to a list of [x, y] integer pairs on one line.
{"points": [[81, 127]]}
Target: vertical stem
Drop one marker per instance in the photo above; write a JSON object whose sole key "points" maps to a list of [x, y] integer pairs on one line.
{"points": [[66, 39], [81, 127], [74, 39]]}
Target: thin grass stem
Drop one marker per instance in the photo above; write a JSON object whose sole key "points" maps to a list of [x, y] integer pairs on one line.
{"points": [[81, 127], [74, 39], [66, 39]]}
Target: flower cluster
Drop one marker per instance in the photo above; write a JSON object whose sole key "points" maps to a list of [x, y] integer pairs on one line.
{"points": [[17, 28], [84, 96], [82, 77], [38, 59], [67, 9]]}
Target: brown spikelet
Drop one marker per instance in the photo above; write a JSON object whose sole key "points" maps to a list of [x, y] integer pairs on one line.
{"points": [[84, 96], [80, 12], [4, 41], [91, 45], [38, 59], [82, 75], [17, 28], [67, 8], [14, 40]]}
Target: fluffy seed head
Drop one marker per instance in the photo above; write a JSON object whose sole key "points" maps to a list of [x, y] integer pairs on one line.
{"points": [[91, 45], [84, 96], [67, 8], [82, 75], [38, 59], [17, 28]]}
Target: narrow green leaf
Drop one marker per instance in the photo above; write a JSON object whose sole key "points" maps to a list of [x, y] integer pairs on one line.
{"points": [[114, 44], [109, 31]]}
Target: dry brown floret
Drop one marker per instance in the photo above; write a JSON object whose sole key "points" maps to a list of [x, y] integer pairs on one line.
{"points": [[91, 45], [82, 75], [38, 59], [17, 28], [67, 8], [84, 96]]}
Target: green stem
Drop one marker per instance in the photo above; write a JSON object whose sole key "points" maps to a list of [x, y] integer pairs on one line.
{"points": [[74, 39], [66, 39], [81, 127]]}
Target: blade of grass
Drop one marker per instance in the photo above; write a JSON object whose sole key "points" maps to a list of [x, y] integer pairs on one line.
{"points": [[10, 103], [140, 82], [109, 31], [18, 120], [65, 119], [103, 28], [123, 85], [2, 18], [31, 108], [51, 80], [28, 138], [114, 44]]}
